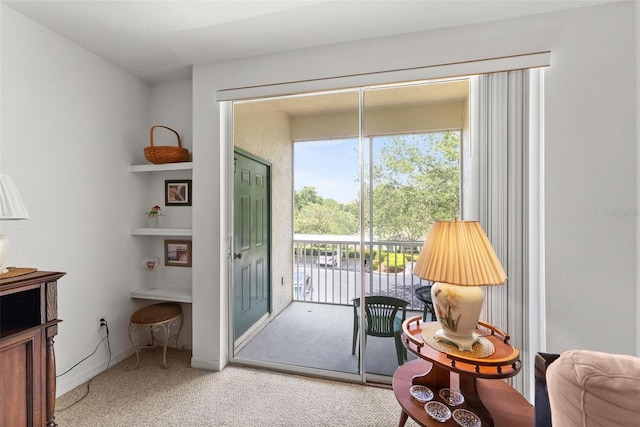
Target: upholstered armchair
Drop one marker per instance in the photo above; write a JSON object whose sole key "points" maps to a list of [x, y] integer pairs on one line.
{"points": [[587, 388]]}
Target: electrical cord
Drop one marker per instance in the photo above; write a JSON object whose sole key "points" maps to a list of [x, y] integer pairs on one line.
{"points": [[91, 380]]}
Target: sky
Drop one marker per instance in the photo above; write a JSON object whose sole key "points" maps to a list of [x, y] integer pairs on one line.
{"points": [[331, 167]]}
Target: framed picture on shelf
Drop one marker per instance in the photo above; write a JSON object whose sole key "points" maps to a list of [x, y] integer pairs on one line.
{"points": [[177, 192], [177, 253]]}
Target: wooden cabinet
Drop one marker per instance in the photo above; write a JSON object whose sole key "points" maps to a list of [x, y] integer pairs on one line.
{"points": [[28, 323]]}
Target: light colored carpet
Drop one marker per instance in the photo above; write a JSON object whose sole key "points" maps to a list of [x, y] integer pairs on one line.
{"points": [[236, 396]]}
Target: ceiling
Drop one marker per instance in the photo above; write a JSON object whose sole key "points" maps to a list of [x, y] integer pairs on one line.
{"points": [[160, 40]]}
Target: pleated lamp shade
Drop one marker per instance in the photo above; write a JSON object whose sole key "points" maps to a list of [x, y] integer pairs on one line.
{"points": [[459, 253], [458, 257], [11, 205]]}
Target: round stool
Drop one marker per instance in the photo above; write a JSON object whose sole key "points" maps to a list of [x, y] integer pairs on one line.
{"points": [[156, 318]]}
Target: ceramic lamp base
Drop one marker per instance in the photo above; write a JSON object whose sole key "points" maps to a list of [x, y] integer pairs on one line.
{"points": [[463, 343], [457, 309]]}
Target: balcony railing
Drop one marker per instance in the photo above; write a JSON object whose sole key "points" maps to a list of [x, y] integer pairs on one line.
{"points": [[388, 270]]}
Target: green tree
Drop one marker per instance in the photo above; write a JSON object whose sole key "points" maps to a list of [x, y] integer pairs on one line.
{"points": [[307, 196], [325, 218], [416, 182]]}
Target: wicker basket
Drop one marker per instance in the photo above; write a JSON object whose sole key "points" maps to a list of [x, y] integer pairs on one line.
{"points": [[159, 155]]}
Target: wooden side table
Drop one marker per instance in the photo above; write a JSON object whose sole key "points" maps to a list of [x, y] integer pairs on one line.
{"points": [[507, 407], [495, 402]]}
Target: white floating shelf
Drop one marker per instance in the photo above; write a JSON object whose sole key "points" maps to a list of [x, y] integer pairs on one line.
{"points": [[164, 294], [161, 232], [162, 167]]}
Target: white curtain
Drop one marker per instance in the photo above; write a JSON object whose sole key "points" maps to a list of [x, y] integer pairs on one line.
{"points": [[503, 142]]}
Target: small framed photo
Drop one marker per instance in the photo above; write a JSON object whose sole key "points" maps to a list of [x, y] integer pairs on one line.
{"points": [[177, 253], [177, 192]]}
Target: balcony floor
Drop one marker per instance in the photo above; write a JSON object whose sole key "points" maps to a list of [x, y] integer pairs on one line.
{"points": [[320, 336]]}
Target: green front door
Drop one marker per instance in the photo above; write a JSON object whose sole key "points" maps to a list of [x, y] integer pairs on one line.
{"points": [[251, 223]]}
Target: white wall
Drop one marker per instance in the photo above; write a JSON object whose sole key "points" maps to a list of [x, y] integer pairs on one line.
{"points": [[591, 174], [590, 159], [71, 125]]}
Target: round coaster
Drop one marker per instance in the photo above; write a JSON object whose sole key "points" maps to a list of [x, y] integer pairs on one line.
{"points": [[438, 411], [481, 348], [421, 393], [466, 418]]}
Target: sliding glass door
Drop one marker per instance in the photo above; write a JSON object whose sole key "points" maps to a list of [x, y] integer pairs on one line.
{"points": [[357, 178]]}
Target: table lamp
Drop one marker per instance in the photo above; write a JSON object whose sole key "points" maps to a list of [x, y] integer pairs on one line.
{"points": [[11, 207], [458, 257]]}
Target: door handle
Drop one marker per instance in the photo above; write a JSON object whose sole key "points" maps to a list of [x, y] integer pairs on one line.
{"points": [[236, 255]]}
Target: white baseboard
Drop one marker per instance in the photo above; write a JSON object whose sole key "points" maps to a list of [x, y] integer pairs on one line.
{"points": [[87, 370], [207, 364]]}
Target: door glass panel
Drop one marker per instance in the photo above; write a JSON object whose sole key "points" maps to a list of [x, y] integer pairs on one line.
{"points": [[413, 172], [312, 145]]}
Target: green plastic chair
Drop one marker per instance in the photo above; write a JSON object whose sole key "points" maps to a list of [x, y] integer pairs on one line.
{"points": [[382, 320], [423, 293]]}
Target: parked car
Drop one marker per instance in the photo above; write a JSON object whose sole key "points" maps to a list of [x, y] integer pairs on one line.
{"points": [[301, 284], [328, 258]]}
